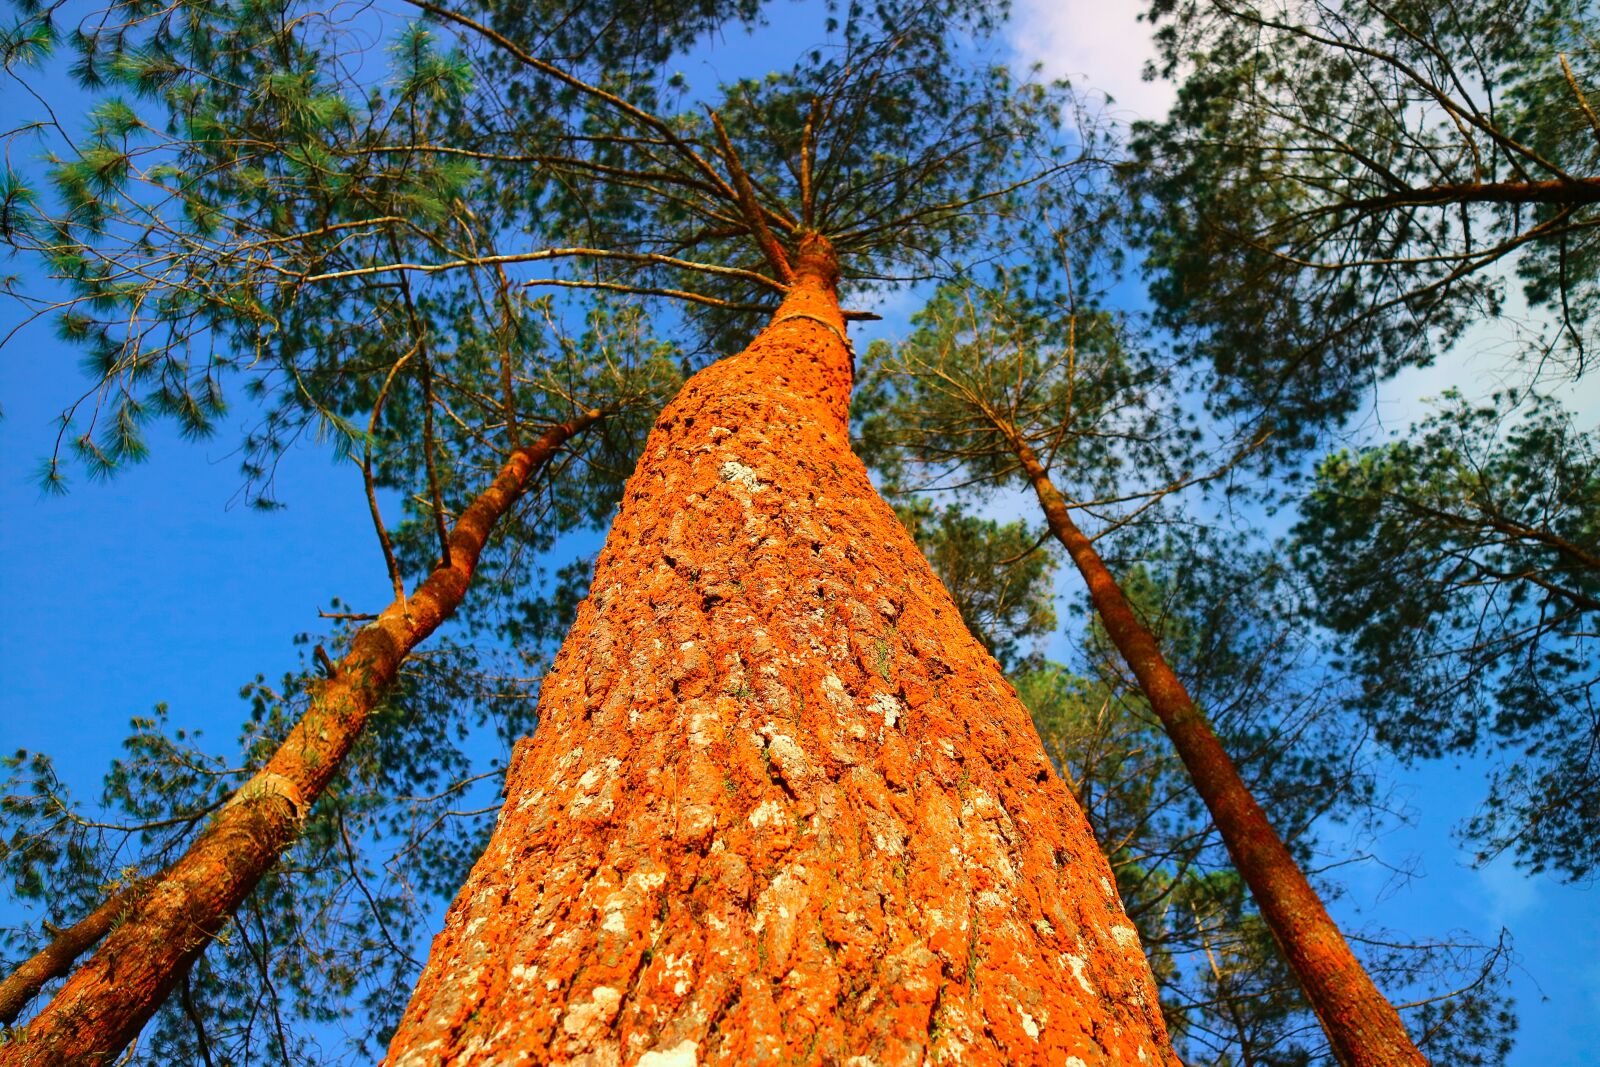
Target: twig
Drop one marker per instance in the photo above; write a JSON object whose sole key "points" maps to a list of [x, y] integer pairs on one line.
{"points": [[396, 579], [1583, 101]]}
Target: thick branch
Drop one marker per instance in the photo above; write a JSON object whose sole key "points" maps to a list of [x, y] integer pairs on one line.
{"points": [[538, 256], [1577, 191]]}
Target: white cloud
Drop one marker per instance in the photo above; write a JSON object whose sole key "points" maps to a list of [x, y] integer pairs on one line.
{"points": [[1505, 892], [1493, 355], [1101, 47]]}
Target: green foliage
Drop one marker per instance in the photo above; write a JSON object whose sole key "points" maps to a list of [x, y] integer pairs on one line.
{"points": [[221, 163], [1463, 564], [317, 964], [26, 42], [1018, 359], [996, 574], [250, 203], [1318, 209], [63, 862], [17, 204]]}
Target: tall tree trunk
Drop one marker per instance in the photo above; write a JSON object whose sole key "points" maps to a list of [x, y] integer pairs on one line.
{"points": [[108, 1000], [1363, 1028], [780, 805]]}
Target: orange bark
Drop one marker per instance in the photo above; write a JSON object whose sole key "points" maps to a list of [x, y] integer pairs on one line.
{"points": [[1363, 1028], [108, 1000], [780, 806]]}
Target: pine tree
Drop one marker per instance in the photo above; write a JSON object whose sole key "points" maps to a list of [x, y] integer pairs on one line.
{"points": [[889, 155], [781, 803], [1006, 382]]}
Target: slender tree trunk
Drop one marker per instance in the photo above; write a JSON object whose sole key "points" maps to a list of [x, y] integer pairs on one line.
{"points": [[780, 806], [1363, 1028], [109, 999], [55, 959]]}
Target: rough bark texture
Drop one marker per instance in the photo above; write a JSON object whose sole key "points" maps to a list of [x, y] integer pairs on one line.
{"points": [[110, 998], [780, 807], [1363, 1028]]}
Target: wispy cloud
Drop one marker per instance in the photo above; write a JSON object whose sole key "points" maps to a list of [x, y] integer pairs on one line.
{"points": [[1507, 891], [1099, 46]]}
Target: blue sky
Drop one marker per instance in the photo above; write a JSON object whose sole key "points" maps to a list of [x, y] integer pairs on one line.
{"points": [[162, 586]]}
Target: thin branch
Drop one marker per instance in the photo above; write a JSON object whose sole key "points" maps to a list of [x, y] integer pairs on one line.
{"points": [[396, 579], [645, 290], [1583, 101], [540, 255]]}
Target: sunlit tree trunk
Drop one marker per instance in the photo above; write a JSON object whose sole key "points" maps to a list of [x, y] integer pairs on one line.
{"points": [[1363, 1028], [176, 913], [780, 806]]}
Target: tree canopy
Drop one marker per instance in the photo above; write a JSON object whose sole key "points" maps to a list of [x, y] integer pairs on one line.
{"points": [[1343, 189], [1459, 561], [424, 238]]}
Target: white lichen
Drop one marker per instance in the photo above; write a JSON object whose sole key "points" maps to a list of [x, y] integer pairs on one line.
{"points": [[1079, 965], [680, 970], [589, 1022], [788, 756], [1126, 936], [889, 707], [734, 471], [834, 690], [768, 812], [649, 881], [1029, 1026], [684, 1054]]}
